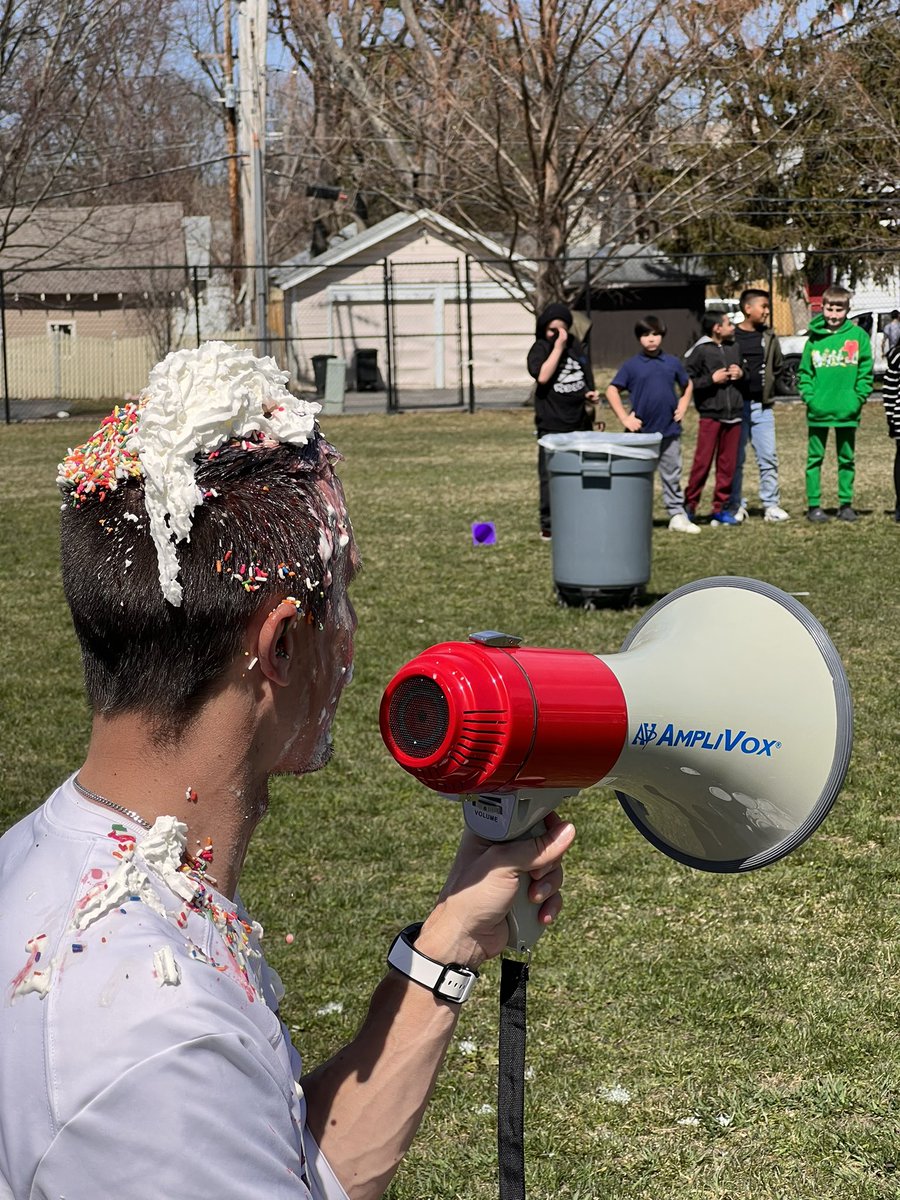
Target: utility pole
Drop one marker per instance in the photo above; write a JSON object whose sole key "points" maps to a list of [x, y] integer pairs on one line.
{"points": [[252, 30], [231, 142]]}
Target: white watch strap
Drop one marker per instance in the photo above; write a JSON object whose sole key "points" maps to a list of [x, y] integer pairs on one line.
{"points": [[449, 981]]}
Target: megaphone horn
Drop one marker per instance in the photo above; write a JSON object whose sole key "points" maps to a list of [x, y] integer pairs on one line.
{"points": [[724, 724]]}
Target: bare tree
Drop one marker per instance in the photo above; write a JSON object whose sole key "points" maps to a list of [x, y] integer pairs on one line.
{"points": [[552, 121], [97, 111]]}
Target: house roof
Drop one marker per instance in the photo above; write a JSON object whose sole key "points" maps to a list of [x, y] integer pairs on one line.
{"points": [[369, 239], [634, 264], [81, 251]]}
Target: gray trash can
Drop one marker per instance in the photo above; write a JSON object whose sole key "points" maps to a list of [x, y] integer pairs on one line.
{"points": [[601, 504], [335, 385]]}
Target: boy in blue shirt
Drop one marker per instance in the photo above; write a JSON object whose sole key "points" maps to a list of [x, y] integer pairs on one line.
{"points": [[650, 379]]}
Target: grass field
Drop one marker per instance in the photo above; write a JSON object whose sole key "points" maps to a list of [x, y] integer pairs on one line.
{"points": [[691, 1036]]}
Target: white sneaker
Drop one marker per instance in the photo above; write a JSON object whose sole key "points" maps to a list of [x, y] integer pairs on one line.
{"points": [[740, 514], [776, 513], [681, 524]]}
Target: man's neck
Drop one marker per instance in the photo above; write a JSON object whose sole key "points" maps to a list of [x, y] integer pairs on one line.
{"points": [[202, 779]]}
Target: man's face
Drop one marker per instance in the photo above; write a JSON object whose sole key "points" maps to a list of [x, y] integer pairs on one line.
{"points": [[325, 669], [726, 329], [835, 313], [757, 311], [650, 343]]}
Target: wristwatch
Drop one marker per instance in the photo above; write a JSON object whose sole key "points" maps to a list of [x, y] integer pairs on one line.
{"points": [[448, 981]]}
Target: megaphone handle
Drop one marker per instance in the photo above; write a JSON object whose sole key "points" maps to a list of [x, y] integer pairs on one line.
{"points": [[524, 927]]}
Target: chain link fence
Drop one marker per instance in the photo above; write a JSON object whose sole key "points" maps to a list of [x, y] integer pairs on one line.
{"points": [[447, 331]]}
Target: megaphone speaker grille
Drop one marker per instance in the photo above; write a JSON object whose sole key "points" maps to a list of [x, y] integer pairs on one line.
{"points": [[419, 716]]}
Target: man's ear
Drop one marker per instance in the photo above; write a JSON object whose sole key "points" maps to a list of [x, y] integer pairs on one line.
{"points": [[276, 643]]}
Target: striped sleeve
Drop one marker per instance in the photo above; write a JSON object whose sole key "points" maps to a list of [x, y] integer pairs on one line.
{"points": [[890, 392]]}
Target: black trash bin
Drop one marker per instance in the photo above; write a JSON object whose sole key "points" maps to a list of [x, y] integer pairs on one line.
{"points": [[320, 365], [365, 372]]}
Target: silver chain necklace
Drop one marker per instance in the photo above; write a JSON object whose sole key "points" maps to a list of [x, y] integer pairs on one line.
{"points": [[126, 812]]}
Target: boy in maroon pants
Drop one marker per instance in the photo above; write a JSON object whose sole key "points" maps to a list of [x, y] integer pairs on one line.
{"points": [[714, 365]]}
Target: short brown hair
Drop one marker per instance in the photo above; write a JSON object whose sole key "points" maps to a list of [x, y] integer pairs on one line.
{"points": [[835, 294], [255, 539]]}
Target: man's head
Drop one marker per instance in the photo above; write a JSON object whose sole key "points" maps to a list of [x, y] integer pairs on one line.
{"points": [[756, 305], [717, 325], [555, 318], [835, 306], [269, 522], [650, 331]]}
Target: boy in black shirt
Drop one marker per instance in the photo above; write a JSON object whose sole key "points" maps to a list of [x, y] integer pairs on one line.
{"points": [[565, 384], [763, 359]]}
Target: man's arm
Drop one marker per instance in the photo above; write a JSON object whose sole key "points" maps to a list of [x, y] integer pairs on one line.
{"points": [[365, 1104], [865, 379], [548, 370], [806, 374], [775, 377], [629, 420], [697, 370], [684, 402]]}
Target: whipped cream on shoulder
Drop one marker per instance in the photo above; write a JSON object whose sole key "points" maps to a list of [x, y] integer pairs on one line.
{"points": [[195, 402]]}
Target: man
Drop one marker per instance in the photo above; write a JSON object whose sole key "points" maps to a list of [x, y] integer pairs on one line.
{"points": [[206, 556], [762, 354], [890, 335]]}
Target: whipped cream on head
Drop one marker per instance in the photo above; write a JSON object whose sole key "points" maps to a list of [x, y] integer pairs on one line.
{"points": [[195, 402]]}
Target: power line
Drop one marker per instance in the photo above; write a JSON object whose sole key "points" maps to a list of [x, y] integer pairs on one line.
{"points": [[96, 187]]}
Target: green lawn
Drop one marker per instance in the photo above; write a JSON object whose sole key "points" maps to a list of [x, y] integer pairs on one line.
{"points": [[691, 1036]]}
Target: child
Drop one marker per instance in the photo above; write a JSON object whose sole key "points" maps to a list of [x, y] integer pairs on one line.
{"points": [[714, 365], [890, 394], [565, 388], [650, 378], [834, 377], [764, 364]]}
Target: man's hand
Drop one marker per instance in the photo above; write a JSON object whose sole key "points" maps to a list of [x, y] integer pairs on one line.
{"points": [[721, 375], [632, 423], [734, 371], [468, 924], [559, 331], [592, 396]]}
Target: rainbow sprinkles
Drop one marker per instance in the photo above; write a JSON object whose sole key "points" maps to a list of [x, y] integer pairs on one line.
{"points": [[196, 401]]}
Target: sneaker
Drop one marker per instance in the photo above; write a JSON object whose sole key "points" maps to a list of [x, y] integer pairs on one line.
{"points": [[846, 513], [723, 518], [546, 535], [817, 515], [776, 513], [680, 523], [740, 514]]}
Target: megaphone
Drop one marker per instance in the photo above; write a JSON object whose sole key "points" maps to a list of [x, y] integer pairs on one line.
{"points": [[724, 725]]}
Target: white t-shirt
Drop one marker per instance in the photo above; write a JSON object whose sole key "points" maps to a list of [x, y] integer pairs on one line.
{"points": [[141, 1055]]}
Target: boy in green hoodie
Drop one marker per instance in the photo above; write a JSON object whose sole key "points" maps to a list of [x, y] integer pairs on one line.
{"points": [[835, 378]]}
